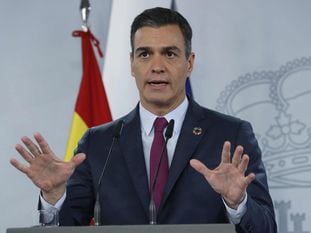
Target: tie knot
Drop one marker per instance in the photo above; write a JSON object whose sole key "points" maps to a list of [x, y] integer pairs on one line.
{"points": [[159, 124]]}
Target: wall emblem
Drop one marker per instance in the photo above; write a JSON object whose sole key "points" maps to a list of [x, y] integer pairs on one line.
{"points": [[278, 103]]}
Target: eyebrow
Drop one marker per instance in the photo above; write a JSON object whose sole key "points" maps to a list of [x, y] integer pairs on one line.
{"points": [[172, 48], [142, 49], [165, 49]]}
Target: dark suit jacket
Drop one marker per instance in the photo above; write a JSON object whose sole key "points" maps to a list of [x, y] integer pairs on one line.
{"points": [[188, 198]]}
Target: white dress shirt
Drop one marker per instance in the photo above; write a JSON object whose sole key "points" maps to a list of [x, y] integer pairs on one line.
{"points": [[147, 130]]}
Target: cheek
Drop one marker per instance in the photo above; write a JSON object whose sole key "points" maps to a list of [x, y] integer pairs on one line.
{"points": [[139, 70], [181, 75], [139, 81]]}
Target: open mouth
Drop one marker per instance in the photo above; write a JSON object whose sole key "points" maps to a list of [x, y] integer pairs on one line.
{"points": [[157, 83]]}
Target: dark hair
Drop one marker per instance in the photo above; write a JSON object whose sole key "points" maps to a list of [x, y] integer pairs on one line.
{"points": [[157, 17]]}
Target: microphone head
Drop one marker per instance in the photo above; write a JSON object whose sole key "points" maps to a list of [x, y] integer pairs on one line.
{"points": [[169, 129], [118, 129]]}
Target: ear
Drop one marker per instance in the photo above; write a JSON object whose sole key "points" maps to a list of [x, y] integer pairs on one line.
{"points": [[132, 61], [190, 59]]}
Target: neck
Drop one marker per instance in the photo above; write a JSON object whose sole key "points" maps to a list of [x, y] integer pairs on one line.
{"points": [[161, 109]]}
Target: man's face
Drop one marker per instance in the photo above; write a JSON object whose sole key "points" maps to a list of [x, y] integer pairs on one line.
{"points": [[160, 67]]}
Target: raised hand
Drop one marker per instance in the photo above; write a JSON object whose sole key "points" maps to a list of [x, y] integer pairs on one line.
{"points": [[228, 179], [44, 168]]}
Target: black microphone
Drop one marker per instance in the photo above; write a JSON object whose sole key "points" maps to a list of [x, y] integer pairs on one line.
{"points": [[116, 135], [152, 207]]}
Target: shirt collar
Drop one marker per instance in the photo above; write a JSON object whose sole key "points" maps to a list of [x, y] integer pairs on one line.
{"points": [[178, 114]]}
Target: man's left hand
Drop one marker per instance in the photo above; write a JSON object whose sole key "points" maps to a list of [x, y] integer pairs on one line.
{"points": [[228, 179]]}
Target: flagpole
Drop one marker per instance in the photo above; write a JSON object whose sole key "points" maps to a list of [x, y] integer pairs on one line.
{"points": [[85, 9]]}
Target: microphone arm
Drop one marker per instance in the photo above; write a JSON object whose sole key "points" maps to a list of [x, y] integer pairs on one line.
{"points": [[116, 135], [152, 207]]}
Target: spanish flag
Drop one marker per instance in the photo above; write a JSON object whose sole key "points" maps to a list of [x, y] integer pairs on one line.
{"points": [[92, 106]]}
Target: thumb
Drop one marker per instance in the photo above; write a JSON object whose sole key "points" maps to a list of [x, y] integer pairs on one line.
{"points": [[199, 167], [78, 159], [250, 178]]}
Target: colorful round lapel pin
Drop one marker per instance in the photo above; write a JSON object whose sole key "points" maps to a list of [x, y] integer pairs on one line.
{"points": [[197, 131]]}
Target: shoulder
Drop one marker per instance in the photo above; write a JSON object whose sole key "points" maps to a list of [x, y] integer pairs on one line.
{"points": [[217, 123], [100, 135], [213, 116], [108, 129]]}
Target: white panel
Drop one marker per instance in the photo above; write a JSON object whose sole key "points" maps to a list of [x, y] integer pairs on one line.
{"points": [[120, 85]]}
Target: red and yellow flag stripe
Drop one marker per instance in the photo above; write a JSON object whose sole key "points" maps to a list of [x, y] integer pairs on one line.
{"points": [[92, 106]]}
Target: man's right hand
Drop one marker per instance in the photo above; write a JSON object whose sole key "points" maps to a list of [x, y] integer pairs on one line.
{"points": [[44, 168]]}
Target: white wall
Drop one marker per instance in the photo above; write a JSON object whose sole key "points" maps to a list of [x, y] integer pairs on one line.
{"points": [[40, 72]]}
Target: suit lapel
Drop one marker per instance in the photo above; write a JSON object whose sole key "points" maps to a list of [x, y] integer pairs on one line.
{"points": [[132, 150], [193, 129]]}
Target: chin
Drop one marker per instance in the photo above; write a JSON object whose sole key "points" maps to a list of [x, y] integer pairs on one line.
{"points": [[159, 102]]}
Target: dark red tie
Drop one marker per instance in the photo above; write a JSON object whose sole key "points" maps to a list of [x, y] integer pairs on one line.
{"points": [[157, 145]]}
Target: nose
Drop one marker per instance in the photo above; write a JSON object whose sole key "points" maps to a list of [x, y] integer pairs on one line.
{"points": [[158, 65]]}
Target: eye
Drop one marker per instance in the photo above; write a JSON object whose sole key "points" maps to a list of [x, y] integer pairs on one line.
{"points": [[170, 54], [144, 54]]}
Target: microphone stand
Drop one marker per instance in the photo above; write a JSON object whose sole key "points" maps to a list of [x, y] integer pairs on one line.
{"points": [[116, 136]]}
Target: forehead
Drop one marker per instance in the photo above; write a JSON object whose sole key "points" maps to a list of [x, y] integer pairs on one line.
{"points": [[169, 35]]}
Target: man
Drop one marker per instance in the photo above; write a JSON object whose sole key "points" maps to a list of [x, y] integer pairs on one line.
{"points": [[233, 187]]}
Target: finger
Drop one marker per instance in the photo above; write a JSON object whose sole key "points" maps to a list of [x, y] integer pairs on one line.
{"points": [[244, 163], [44, 146], [249, 178], [236, 159], [19, 166], [200, 167], [78, 159], [24, 153], [225, 154], [33, 148]]}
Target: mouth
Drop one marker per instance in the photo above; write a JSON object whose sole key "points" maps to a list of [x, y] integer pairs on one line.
{"points": [[158, 83]]}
